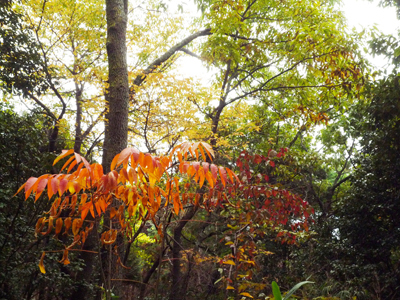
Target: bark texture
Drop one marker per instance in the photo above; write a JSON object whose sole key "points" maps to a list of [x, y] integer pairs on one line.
{"points": [[116, 135]]}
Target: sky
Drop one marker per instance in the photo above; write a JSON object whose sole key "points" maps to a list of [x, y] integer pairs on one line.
{"points": [[366, 14], [363, 13]]}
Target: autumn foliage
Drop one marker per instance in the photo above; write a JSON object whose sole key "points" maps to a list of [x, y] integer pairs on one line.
{"points": [[140, 186]]}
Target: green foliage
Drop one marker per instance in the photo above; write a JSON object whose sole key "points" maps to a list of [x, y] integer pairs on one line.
{"points": [[277, 292], [23, 150], [369, 220], [20, 63]]}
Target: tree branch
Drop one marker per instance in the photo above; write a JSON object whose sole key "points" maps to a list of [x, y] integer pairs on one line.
{"points": [[163, 58]]}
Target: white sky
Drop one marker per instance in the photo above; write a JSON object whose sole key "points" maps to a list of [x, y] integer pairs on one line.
{"points": [[365, 14]]}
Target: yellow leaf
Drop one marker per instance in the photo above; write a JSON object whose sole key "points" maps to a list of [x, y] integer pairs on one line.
{"points": [[246, 295], [230, 287], [229, 262], [41, 265]]}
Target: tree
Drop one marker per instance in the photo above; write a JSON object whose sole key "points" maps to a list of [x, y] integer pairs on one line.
{"points": [[20, 67], [23, 139], [141, 187], [271, 53], [297, 64], [368, 220]]}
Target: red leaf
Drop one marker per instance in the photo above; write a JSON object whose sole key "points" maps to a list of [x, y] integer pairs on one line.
{"points": [[29, 186], [222, 174], [214, 171], [62, 187], [124, 155], [206, 166], [85, 162], [41, 185]]}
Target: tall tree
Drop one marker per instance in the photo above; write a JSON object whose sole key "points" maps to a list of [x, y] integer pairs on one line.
{"points": [[116, 134]]}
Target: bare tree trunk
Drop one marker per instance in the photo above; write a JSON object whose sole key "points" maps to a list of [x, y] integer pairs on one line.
{"points": [[116, 136], [178, 282]]}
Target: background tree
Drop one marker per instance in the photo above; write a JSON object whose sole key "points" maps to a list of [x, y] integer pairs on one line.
{"points": [[23, 139]]}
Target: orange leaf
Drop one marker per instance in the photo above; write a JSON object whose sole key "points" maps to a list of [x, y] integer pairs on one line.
{"points": [[68, 162], [65, 259], [103, 205], [125, 173], [79, 168], [197, 199], [246, 295], [67, 223], [50, 227], [114, 162], [59, 224], [20, 189], [210, 179], [83, 198], [41, 265], [97, 171], [132, 176], [148, 163], [180, 157], [176, 203], [98, 209], [71, 166], [201, 176], [141, 159], [76, 225], [49, 188], [176, 180], [85, 211], [64, 153], [39, 225], [208, 149], [135, 155], [91, 210], [202, 153]]}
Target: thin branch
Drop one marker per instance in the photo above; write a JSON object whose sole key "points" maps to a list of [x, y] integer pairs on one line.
{"points": [[48, 111], [190, 53], [163, 58]]}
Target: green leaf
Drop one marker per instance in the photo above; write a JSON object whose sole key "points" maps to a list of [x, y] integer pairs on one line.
{"points": [[276, 291], [294, 289]]}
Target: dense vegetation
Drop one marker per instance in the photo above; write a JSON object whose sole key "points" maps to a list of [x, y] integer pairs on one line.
{"points": [[282, 168]]}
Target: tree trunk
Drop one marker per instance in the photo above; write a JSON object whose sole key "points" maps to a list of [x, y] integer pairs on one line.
{"points": [[116, 136], [177, 286]]}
